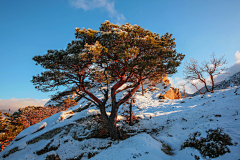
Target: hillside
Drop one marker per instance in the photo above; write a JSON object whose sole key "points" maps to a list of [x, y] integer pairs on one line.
{"points": [[160, 128], [233, 80], [12, 124]]}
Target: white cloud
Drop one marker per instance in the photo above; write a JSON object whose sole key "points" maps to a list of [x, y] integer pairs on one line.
{"points": [[237, 55], [15, 104], [231, 70], [106, 4], [177, 81]]}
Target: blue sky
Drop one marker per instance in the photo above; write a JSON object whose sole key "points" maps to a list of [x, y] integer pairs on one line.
{"points": [[29, 28]]}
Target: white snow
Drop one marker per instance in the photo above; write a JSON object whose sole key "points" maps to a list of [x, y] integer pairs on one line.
{"points": [[141, 146], [169, 122]]}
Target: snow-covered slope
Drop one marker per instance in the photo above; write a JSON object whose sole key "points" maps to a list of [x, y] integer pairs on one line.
{"points": [[231, 81], [164, 126]]}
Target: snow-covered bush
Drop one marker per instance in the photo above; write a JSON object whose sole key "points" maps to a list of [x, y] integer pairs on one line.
{"points": [[214, 145]]}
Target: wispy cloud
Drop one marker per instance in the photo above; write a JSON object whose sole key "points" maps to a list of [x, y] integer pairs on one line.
{"points": [[106, 4], [15, 104]]}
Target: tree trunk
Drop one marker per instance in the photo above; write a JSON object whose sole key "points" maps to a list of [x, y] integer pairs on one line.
{"points": [[212, 83], [131, 113], [110, 123], [113, 130], [142, 90], [205, 84]]}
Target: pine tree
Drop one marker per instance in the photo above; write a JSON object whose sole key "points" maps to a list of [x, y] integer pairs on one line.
{"points": [[118, 54]]}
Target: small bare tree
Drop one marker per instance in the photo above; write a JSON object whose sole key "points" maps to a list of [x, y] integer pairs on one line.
{"points": [[183, 90], [195, 73]]}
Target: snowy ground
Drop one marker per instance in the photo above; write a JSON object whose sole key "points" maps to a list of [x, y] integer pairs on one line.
{"points": [[164, 127]]}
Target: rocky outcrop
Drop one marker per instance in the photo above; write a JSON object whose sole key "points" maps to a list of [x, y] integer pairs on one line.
{"points": [[173, 93], [165, 90]]}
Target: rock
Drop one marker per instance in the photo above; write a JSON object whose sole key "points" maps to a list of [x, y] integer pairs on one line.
{"points": [[173, 93], [168, 91]]}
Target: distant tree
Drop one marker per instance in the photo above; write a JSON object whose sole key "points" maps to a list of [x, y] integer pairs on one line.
{"points": [[195, 73], [117, 54], [183, 90], [130, 112]]}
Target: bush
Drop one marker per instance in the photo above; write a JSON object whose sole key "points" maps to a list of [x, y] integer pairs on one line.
{"points": [[214, 145], [10, 127], [14, 123], [161, 96]]}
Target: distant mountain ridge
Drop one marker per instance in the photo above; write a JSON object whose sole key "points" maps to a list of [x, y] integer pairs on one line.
{"points": [[231, 81]]}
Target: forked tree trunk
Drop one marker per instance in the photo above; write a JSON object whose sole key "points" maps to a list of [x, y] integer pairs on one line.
{"points": [[111, 122]]}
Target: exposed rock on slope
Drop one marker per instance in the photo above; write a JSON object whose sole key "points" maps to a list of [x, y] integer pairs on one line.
{"points": [[168, 91], [173, 93]]}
